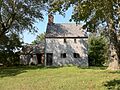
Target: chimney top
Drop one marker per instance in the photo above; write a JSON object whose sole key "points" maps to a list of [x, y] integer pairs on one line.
{"points": [[50, 18]]}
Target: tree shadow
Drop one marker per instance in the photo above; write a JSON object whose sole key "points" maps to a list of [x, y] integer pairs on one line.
{"points": [[53, 67], [10, 72], [13, 71], [115, 72], [112, 84], [94, 67]]}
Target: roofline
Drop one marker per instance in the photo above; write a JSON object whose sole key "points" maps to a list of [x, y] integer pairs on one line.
{"points": [[65, 37], [67, 23]]}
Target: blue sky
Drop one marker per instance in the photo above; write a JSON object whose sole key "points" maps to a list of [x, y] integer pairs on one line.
{"points": [[28, 37]]}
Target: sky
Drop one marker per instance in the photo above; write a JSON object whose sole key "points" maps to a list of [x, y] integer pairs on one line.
{"points": [[28, 37]]}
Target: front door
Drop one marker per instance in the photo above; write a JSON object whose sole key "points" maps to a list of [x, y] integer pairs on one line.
{"points": [[49, 59]]}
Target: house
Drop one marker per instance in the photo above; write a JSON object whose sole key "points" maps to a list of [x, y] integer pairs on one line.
{"points": [[65, 43]]}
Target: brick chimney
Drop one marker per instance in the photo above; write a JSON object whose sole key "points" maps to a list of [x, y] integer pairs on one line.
{"points": [[50, 19]]}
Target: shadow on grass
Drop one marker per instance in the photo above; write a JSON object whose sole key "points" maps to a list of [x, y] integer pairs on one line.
{"points": [[13, 71], [115, 72], [10, 72], [94, 67], [112, 84]]}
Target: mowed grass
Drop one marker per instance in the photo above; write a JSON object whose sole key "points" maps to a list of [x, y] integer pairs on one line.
{"points": [[63, 78]]}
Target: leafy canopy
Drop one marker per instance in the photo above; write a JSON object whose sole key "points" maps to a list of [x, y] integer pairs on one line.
{"points": [[20, 15], [39, 38], [17, 16], [92, 12]]}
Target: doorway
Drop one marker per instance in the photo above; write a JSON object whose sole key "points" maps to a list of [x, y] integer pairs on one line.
{"points": [[39, 58], [49, 58]]}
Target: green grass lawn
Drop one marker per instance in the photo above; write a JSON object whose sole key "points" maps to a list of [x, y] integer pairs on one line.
{"points": [[64, 78]]}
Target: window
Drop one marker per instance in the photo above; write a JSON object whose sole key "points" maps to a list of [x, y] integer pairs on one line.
{"points": [[64, 40], [75, 41], [63, 55], [76, 55]]}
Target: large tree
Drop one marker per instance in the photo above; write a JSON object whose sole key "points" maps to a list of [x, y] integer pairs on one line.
{"points": [[20, 15], [17, 16], [95, 13]]}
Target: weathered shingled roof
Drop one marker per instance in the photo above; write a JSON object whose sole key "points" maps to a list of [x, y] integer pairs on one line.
{"points": [[64, 30]]}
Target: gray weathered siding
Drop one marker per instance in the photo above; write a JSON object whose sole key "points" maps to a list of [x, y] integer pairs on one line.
{"points": [[57, 46]]}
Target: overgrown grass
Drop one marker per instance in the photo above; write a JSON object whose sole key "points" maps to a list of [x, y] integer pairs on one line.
{"points": [[64, 78]]}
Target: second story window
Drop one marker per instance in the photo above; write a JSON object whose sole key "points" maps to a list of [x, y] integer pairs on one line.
{"points": [[75, 41], [64, 40], [63, 55]]}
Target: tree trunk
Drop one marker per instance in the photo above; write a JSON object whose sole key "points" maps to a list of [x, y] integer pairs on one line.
{"points": [[114, 59], [114, 47]]}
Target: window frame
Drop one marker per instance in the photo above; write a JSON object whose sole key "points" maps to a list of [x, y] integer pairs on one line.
{"points": [[65, 41], [75, 41], [76, 55], [63, 55]]}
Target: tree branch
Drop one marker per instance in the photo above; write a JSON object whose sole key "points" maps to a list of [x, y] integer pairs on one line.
{"points": [[10, 21]]}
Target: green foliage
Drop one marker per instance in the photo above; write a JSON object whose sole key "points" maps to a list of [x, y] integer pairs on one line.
{"points": [[17, 16], [20, 15], [97, 50], [91, 12], [39, 38], [9, 49]]}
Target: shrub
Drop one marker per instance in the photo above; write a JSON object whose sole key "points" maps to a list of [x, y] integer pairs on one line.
{"points": [[97, 50]]}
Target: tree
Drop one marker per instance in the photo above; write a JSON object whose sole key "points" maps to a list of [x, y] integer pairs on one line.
{"points": [[97, 50], [39, 38], [9, 49], [17, 16], [20, 15], [95, 13]]}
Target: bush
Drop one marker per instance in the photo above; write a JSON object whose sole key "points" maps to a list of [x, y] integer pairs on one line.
{"points": [[97, 50], [9, 59], [10, 45]]}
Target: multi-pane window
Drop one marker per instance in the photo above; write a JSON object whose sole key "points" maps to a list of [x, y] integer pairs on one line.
{"points": [[63, 55], [76, 55]]}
